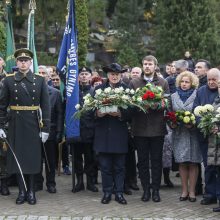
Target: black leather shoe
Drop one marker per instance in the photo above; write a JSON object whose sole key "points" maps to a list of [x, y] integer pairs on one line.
{"points": [[21, 198], [156, 196], [127, 190], [31, 199], [92, 187], [146, 196], [51, 189], [183, 198], [192, 199], [208, 201], [78, 187], [5, 191], [106, 198], [134, 186], [120, 199], [217, 209]]}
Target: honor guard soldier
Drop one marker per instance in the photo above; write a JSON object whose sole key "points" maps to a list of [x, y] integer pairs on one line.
{"points": [[25, 94], [3, 173]]}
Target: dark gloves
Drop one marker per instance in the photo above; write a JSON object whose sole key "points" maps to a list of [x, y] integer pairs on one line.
{"points": [[59, 137]]}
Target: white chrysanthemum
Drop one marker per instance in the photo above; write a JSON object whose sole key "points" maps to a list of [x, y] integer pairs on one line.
{"points": [[87, 96], [137, 89], [127, 90], [107, 90], [77, 106], [126, 97], [218, 115], [139, 99], [209, 107], [198, 110], [98, 91], [218, 110], [132, 91]]}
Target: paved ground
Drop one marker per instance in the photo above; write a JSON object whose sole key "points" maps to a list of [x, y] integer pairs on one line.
{"points": [[86, 205]]}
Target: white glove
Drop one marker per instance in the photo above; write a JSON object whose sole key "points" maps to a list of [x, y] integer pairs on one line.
{"points": [[44, 136], [2, 134]]}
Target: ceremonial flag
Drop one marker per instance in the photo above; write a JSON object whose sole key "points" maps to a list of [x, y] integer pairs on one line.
{"points": [[30, 41], [10, 45], [67, 67]]}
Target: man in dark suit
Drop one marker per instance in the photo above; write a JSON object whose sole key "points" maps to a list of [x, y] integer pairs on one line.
{"points": [[26, 95], [149, 130], [55, 135]]}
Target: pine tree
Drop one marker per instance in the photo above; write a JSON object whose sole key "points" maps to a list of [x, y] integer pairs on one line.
{"points": [[126, 21], [186, 25], [2, 30], [83, 30]]}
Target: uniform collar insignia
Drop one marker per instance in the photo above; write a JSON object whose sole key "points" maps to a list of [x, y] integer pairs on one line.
{"points": [[29, 76]]}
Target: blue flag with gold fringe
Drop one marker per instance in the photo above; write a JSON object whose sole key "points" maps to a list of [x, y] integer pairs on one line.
{"points": [[67, 67]]}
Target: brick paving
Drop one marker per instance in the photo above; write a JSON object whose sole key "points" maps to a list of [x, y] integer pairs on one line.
{"points": [[65, 205]]}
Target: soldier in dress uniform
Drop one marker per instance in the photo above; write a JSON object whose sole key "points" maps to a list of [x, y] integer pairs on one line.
{"points": [[3, 173], [25, 94]]}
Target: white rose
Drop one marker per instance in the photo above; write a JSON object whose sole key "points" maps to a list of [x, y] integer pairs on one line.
{"points": [[98, 91], [121, 89], [86, 102], [127, 90], [107, 90], [87, 96], [125, 97], [77, 106], [132, 91], [137, 89], [117, 90], [139, 99]]}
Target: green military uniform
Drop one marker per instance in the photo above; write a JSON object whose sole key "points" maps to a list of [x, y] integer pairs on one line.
{"points": [[3, 172], [23, 95]]}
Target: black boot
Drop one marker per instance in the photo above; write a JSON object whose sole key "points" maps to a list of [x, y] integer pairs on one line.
{"points": [[166, 175], [90, 184], [80, 185], [22, 192], [31, 193], [217, 209], [4, 187]]}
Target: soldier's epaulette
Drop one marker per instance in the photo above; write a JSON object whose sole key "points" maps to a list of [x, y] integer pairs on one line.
{"points": [[38, 74], [10, 74]]}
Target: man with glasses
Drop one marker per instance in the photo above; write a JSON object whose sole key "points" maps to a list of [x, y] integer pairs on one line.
{"points": [[26, 95]]}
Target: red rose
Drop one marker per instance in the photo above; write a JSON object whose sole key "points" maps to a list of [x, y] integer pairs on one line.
{"points": [[145, 96], [151, 95]]}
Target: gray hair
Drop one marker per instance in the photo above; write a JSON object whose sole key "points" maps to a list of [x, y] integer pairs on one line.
{"points": [[44, 68], [181, 64]]}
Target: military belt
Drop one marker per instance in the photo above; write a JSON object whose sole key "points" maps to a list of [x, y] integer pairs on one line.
{"points": [[24, 108]]}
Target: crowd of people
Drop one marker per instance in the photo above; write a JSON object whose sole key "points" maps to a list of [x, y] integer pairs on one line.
{"points": [[32, 110]]}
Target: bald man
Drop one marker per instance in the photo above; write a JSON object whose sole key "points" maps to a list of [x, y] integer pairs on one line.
{"points": [[207, 95]]}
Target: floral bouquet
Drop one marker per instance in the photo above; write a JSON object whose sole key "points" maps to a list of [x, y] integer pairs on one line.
{"points": [[209, 118], [107, 100], [185, 117], [180, 117], [150, 97]]}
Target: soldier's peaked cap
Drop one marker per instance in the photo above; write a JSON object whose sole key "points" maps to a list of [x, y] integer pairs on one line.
{"points": [[23, 53]]}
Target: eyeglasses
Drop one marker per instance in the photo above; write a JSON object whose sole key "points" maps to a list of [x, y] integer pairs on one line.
{"points": [[55, 79]]}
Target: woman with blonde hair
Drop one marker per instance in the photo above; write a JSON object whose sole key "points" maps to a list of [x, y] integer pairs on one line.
{"points": [[185, 143]]}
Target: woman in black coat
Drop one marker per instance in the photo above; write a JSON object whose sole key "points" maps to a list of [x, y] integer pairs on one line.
{"points": [[111, 141]]}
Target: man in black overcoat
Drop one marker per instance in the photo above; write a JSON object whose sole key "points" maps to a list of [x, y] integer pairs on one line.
{"points": [[26, 95]]}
